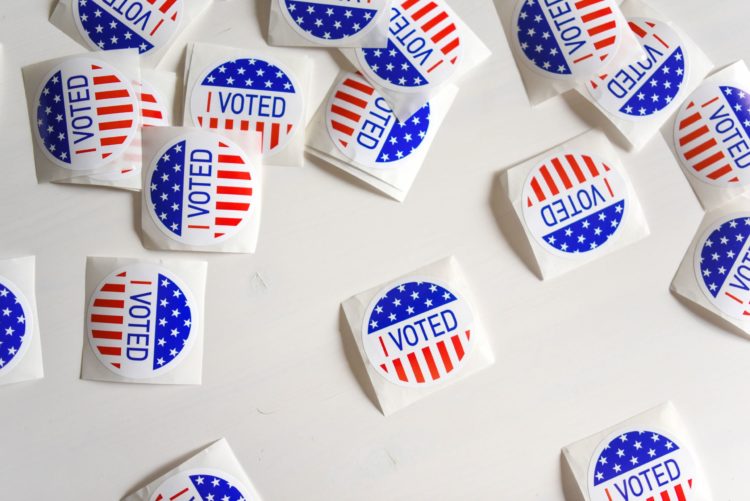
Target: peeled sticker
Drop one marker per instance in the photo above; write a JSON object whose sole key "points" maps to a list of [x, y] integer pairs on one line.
{"points": [[202, 484], [721, 268], [712, 134], [15, 325], [326, 21], [574, 203], [128, 24], [201, 189], [87, 114], [417, 332], [139, 321], [250, 95], [568, 39], [424, 47], [364, 128], [645, 87], [641, 465]]}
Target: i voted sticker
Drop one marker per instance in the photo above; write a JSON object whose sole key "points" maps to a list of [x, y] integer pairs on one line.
{"points": [[424, 47], [140, 320], [202, 484], [332, 21], [641, 465], [128, 24], [645, 87], [201, 189], [712, 134], [417, 333], [86, 114], [722, 265], [574, 203], [364, 128], [568, 38], [16, 321], [250, 95]]}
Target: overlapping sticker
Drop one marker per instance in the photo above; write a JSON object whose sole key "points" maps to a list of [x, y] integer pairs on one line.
{"points": [[722, 265], [139, 321], [417, 333], [128, 24], [568, 38], [364, 128], [712, 134], [645, 87], [641, 465], [250, 95], [331, 21], [424, 48], [87, 114], [201, 189], [202, 484], [16, 321], [574, 203]]}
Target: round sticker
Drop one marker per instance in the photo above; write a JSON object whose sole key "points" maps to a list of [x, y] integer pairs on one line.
{"points": [[364, 128], [202, 484], [128, 24], [645, 87], [332, 21], [574, 203], [712, 134], [201, 189], [250, 95], [418, 332], [721, 267], [641, 465], [139, 321], [565, 39], [424, 47], [87, 114], [15, 325]]}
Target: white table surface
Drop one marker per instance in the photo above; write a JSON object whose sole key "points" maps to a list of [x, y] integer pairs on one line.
{"points": [[574, 355]]}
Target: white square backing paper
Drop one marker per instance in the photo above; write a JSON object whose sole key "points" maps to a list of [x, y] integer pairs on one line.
{"points": [[21, 346], [418, 334], [143, 321], [371, 144], [251, 90], [649, 456], [575, 203], [215, 473]]}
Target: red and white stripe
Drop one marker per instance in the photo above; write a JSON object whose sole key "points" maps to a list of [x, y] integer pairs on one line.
{"points": [[699, 148], [564, 173], [428, 363], [348, 106], [272, 131], [107, 318], [116, 111], [174, 496], [673, 493], [600, 23], [435, 22], [166, 10]]}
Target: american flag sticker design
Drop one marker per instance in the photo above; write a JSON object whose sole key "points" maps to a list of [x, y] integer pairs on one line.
{"points": [[250, 95], [641, 465], [424, 47], [15, 325], [140, 320], [712, 134], [362, 125], [87, 114], [568, 38], [332, 21], [201, 189], [417, 333], [574, 203], [128, 24], [722, 267], [645, 87], [202, 484]]}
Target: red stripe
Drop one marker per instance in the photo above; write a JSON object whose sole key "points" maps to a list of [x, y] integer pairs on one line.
{"points": [[366, 89], [423, 11], [435, 21], [342, 128], [576, 168], [734, 297], [351, 99], [399, 369], [110, 350], [443, 33], [586, 3], [458, 346], [106, 319], [151, 114], [140, 282], [415, 367], [213, 123], [228, 124], [111, 94], [700, 148], [561, 172], [148, 98], [720, 172], [719, 155], [664, 496], [227, 221], [611, 25], [449, 47], [166, 6], [106, 79], [113, 288], [233, 190], [665, 44], [444, 356], [111, 110], [232, 206], [382, 345], [548, 179], [233, 174], [158, 25], [275, 134], [183, 491], [694, 135], [345, 113], [109, 303], [434, 373], [637, 29], [109, 141], [537, 190], [97, 334], [680, 493], [590, 164], [408, 3], [583, 58], [690, 120], [117, 124], [230, 159], [596, 14], [605, 43], [708, 103], [244, 125]]}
